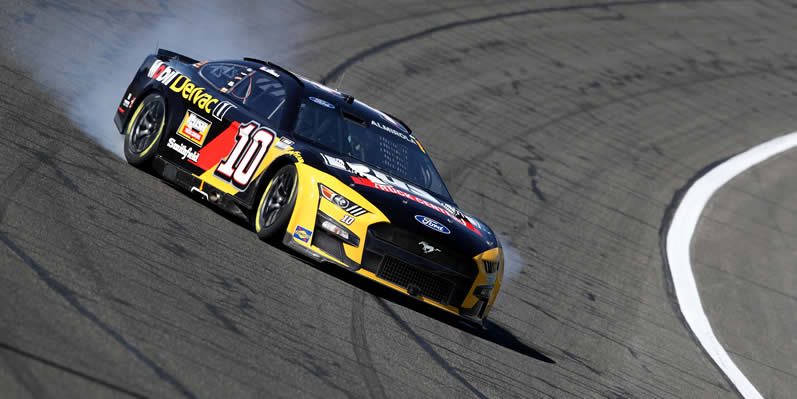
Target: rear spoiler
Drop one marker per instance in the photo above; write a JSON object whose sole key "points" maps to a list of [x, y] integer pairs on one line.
{"points": [[166, 55], [275, 66]]}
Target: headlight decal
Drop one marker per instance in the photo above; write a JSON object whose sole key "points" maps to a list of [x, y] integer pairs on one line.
{"points": [[341, 201]]}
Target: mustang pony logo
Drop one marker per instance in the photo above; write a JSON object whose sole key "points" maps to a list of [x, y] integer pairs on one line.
{"points": [[426, 248]]}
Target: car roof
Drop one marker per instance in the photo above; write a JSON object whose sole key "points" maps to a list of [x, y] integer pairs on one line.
{"points": [[312, 88]]}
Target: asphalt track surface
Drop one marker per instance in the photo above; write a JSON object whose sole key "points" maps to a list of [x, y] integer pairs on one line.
{"points": [[569, 127]]}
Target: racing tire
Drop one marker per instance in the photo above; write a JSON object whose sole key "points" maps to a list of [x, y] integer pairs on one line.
{"points": [[276, 204], [144, 130]]}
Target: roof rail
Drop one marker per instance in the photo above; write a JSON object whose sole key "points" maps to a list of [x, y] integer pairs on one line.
{"points": [[275, 66]]}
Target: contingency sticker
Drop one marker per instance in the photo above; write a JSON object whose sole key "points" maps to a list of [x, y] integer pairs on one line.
{"points": [[194, 128], [302, 234]]}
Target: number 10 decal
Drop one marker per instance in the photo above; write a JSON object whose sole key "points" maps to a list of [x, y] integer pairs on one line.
{"points": [[239, 169]]}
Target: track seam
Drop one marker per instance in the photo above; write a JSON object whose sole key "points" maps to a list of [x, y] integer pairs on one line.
{"points": [[341, 67]]}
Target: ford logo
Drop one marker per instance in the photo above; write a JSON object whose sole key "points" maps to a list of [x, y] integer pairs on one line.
{"points": [[432, 224]]}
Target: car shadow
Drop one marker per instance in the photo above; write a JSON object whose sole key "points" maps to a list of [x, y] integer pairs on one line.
{"points": [[491, 331]]}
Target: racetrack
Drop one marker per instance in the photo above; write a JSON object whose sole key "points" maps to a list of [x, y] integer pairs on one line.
{"points": [[569, 127]]}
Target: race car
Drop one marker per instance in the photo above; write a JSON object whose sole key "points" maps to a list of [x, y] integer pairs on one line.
{"points": [[316, 169]]}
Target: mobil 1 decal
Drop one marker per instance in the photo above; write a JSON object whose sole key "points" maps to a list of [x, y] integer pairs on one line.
{"points": [[251, 145]]}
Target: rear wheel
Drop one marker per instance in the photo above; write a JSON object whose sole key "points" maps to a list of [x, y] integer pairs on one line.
{"points": [[276, 204], [144, 130]]}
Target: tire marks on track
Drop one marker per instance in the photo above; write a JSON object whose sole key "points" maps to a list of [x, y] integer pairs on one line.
{"points": [[340, 68], [30, 383], [360, 345], [429, 349], [70, 298]]}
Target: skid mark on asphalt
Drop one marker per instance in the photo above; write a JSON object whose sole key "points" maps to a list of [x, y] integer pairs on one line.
{"points": [[65, 293], [33, 386], [360, 344], [428, 348]]}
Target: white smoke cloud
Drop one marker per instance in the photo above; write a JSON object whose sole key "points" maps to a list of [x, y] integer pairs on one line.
{"points": [[513, 259], [87, 70]]}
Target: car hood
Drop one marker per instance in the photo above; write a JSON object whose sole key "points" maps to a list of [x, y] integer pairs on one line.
{"points": [[409, 207]]}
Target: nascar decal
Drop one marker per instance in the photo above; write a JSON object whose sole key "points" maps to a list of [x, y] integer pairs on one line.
{"points": [[302, 234], [251, 144], [284, 143], [195, 128], [183, 150]]}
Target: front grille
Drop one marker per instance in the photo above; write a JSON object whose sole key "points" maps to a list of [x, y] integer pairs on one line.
{"points": [[451, 258], [404, 275]]}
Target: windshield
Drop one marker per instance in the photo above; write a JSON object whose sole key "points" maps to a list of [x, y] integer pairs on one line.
{"points": [[373, 142]]}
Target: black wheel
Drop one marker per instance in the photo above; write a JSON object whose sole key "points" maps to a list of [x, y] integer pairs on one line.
{"points": [[144, 130], [276, 204]]}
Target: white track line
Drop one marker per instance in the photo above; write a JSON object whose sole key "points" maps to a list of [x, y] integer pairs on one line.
{"points": [[679, 238]]}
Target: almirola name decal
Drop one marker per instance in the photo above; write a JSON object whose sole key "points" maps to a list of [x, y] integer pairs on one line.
{"points": [[180, 83]]}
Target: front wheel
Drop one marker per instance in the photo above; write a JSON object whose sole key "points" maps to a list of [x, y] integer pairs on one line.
{"points": [[276, 204], [144, 130]]}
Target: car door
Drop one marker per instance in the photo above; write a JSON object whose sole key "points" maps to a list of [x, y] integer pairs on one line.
{"points": [[233, 159]]}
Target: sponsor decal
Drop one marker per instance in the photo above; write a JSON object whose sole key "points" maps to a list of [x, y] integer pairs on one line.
{"points": [[432, 224], [427, 248], [284, 144], [195, 128], [222, 108], [380, 181], [270, 71], [491, 278], [162, 72], [181, 84], [393, 131], [322, 102], [182, 149], [128, 101], [302, 234], [193, 93], [121, 110]]}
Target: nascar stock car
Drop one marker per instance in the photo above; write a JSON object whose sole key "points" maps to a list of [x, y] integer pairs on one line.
{"points": [[329, 176]]}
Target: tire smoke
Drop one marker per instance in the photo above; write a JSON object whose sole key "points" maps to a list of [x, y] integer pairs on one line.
{"points": [[101, 69], [513, 259]]}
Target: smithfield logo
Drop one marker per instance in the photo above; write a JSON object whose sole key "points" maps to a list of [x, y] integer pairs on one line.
{"points": [[432, 224]]}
